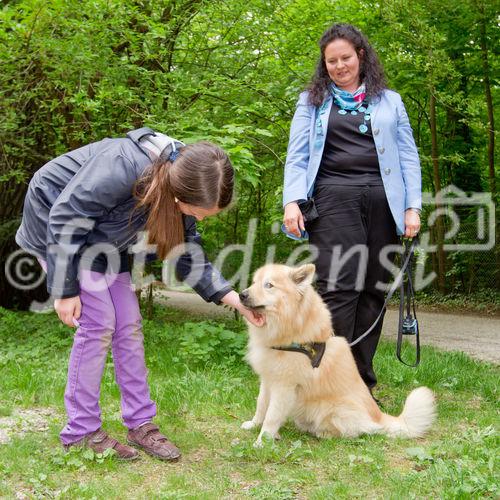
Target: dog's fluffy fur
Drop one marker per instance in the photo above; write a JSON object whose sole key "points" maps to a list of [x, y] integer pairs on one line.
{"points": [[331, 400]]}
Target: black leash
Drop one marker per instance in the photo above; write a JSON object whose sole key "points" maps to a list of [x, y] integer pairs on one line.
{"points": [[409, 324]]}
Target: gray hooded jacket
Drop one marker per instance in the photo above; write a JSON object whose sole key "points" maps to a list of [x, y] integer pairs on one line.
{"points": [[84, 197]]}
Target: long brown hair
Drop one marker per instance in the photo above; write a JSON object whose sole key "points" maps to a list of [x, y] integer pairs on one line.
{"points": [[201, 175], [371, 71]]}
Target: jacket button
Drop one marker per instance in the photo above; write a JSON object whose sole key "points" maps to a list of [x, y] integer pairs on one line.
{"points": [[381, 150], [387, 171], [376, 131]]}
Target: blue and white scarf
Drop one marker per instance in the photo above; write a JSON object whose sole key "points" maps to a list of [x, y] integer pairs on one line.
{"points": [[348, 100]]}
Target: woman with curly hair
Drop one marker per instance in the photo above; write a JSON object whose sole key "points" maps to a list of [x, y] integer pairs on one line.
{"points": [[352, 179]]}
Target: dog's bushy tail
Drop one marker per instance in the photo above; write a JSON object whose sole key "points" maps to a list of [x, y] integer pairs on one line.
{"points": [[418, 415]]}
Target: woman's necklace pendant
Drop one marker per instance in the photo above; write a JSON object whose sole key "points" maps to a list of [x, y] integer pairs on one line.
{"points": [[363, 109]]}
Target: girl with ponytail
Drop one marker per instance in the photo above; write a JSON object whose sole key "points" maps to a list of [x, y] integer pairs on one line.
{"points": [[82, 213]]}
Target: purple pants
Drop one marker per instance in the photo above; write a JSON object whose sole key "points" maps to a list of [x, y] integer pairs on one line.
{"points": [[110, 317]]}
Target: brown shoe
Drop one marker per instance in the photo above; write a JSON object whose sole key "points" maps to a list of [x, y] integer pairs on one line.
{"points": [[152, 441], [99, 441]]}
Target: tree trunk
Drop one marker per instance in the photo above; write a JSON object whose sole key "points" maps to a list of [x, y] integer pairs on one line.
{"points": [[489, 101], [437, 183], [491, 128]]}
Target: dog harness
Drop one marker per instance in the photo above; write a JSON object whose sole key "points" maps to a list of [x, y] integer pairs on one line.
{"points": [[313, 350]]}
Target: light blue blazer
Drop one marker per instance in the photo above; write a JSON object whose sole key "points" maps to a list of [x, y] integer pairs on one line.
{"points": [[396, 150]]}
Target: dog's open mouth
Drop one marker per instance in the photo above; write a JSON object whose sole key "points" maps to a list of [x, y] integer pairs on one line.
{"points": [[248, 302], [256, 308]]}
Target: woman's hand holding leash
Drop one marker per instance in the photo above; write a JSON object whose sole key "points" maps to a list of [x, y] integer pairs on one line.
{"points": [[69, 310], [293, 219], [232, 299], [412, 223]]}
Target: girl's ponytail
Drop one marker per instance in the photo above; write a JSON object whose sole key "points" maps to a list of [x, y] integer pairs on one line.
{"points": [[201, 175], [164, 220]]}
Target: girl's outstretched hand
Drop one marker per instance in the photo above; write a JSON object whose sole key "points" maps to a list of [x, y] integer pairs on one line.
{"points": [[232, 299], [68, 310]]}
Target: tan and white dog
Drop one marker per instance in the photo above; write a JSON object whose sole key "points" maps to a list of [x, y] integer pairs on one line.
{"points": [[331, 399]]}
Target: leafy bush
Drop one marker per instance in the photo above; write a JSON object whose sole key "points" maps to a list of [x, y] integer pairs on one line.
{"points": [[208, 341]]}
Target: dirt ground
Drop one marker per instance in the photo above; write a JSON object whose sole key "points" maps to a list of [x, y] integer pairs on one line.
{"points": [[478, 336], [26, 420]]}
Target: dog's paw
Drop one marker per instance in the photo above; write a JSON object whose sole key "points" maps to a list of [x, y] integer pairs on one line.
{"points": [[265, 438], [258, 443], [248, 425]]}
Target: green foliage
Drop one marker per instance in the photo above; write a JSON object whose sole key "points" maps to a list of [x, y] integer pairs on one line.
{"points": [[210, 342], [77, 457], [231, 72], [483, 302], [36, 342], [464, 478], [292, 453]]}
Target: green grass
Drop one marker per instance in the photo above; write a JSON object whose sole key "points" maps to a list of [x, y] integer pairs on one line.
{"points": [[203, 394]]}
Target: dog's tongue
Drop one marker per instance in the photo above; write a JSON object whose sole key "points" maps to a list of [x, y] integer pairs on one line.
{"points": [[260, 318]]}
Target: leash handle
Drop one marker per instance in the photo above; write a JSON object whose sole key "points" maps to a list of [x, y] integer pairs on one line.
{"points": [[410, 303], [399, 279]]}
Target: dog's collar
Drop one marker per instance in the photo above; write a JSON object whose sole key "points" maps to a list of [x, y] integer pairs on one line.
{"points": [[313, 350]]}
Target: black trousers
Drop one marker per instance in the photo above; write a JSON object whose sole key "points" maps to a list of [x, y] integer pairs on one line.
{"points": [[353, 226]]}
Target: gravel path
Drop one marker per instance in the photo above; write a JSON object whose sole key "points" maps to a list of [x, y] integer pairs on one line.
{"points": [[478, 336]]}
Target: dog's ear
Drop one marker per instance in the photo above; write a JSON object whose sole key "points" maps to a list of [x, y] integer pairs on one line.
{"points": [[303, 276]]}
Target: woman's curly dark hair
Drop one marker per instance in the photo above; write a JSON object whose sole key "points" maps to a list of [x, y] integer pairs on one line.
{"points": [[370, 69]]}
